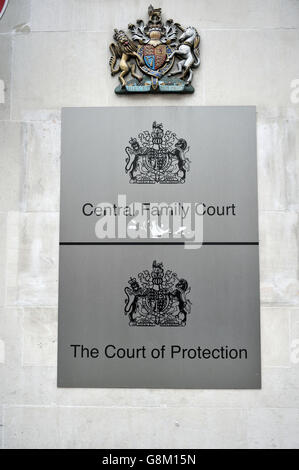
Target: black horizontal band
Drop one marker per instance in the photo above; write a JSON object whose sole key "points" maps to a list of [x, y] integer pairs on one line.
{"points": [[155, 243]]}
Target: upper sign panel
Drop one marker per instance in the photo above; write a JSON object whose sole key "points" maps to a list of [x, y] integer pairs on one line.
{"points": [[173, 155]]}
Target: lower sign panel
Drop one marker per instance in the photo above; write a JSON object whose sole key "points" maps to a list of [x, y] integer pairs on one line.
{"points": [[161, 317]]}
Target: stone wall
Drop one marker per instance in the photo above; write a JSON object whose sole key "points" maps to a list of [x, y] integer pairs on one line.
{"points": [[54, 53]]}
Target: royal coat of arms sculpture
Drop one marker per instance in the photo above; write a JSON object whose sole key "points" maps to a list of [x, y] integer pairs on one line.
{"points": [[157, 298], [153, 55], [157, 157]]}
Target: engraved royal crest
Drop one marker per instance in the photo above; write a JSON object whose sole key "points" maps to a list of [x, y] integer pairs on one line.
{"points": [[152, 54], [156, 298], [157, 157]]}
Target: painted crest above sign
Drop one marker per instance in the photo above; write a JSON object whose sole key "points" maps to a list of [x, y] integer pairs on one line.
{"points": [[3, 5], [160, 51]]}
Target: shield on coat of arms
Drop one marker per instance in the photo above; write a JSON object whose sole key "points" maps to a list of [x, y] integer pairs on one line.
{"points": [[3, 5], [155, 59], [157, 300], [157, 160], [154, 56]]}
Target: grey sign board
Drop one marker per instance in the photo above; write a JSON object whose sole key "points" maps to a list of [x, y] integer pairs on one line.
{"points": [[159, 295]]}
